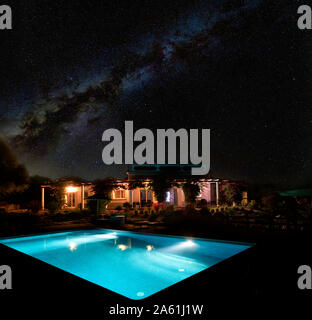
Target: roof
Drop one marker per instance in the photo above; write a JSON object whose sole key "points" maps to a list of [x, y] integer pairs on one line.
{"points": [[178, 171], [97, 197], [297, 193]]}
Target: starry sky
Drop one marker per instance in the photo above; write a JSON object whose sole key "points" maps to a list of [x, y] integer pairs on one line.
{"points": [[71, 69]]}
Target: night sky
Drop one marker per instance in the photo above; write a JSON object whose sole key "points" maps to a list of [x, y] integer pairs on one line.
{"points": [[71, 69]]}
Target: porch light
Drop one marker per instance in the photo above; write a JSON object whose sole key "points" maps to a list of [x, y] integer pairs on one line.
{"points": [[70, 189]]}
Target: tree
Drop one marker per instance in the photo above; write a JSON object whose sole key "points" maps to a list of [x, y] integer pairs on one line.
{"points": [[13, 176], [271, 200], [57, 199], [30, 198], [231, 192], [160, 184], [191, 191], [104, 187]]}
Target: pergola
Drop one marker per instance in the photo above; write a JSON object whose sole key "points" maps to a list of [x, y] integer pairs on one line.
{"points": [[70, 186]]}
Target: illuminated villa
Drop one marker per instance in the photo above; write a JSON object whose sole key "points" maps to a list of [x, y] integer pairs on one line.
{"points": [[77, 193]]}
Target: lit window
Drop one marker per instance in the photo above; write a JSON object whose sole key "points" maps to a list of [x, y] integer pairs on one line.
{"points": [[119, 194]]}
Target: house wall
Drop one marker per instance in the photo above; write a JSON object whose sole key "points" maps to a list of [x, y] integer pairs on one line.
{"points": [[136, 195], [177, 197], [119, 201], [181, 197], [87, 192], [69, 196], [209, 192], [206, 192]]}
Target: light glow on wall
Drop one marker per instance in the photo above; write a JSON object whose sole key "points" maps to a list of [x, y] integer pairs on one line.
{"points": [[168, 196], [70, 189]]}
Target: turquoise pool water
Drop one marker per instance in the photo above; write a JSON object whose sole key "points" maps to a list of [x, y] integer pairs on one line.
{"points": [[132, 264]]}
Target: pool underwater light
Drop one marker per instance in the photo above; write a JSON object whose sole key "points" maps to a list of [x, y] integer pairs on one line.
{"points": [[72, 246], [189, 243], [122, 247]]}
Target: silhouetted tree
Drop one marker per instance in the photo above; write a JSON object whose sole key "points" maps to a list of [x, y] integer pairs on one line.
{"points": [[104, 187], [160, 184], [30, 197], [231, 192], [191, 191], [13, 176]]}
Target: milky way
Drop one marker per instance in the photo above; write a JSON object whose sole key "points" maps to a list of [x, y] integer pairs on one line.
{"points": [[232, 66]]}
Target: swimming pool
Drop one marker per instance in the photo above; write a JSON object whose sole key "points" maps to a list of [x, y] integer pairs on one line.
{"points": [[135, 265]]}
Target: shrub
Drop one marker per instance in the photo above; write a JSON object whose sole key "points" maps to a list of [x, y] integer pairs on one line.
{"points": [[229, 210], [19, 223], [203, 203], [127, 206], [170, 208], [53, 206], [191, 191], [92, 206], [158, 206], [57, 200], [288, 207], [152, 217], [204, 210], [271, 201], [252, 204], [230, 193], [189, 210], [34, 206]]}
